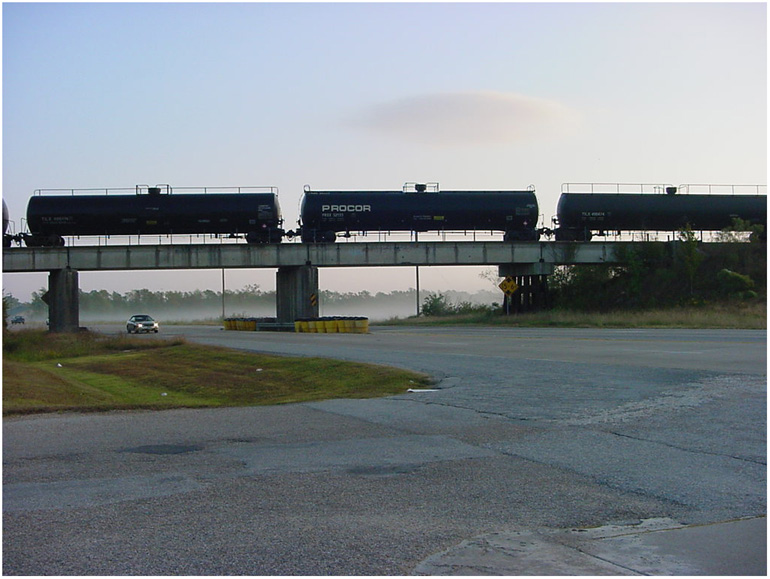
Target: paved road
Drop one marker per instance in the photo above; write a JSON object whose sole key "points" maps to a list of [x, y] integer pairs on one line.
{"points": [[540, 451]]}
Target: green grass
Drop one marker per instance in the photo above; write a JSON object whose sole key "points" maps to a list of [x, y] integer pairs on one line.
{"points": [[45, 372], [725, 316]]}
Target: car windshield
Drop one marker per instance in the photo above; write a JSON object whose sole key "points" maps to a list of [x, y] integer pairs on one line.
{"points": [[142, 319]]}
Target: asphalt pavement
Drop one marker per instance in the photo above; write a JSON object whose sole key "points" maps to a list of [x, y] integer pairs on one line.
{"points": [[545, 452]]}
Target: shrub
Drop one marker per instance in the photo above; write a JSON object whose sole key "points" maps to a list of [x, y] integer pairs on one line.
{"points": [[437, 305], [732, 283]]}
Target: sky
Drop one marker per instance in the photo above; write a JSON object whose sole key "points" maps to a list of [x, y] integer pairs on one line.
{"points": [[370, 96]]}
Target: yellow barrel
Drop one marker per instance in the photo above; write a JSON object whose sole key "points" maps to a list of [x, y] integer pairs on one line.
{"points": [[251, 324], [311, 326], [304, 326], [320, 326], [330, 325], [362, 325], [297, 326]]}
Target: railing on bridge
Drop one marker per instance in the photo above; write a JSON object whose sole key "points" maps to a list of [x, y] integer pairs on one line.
{"points": [[658, 188], [163, 187]]}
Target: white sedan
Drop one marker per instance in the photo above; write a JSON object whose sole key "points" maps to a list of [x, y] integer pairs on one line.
{"points": [[141, 323]]}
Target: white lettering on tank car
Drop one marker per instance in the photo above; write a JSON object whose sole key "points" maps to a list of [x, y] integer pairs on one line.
{"points": [[346, 208]]}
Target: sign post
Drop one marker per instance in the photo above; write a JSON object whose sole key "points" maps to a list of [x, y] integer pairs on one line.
{"points": [[509, 287]]}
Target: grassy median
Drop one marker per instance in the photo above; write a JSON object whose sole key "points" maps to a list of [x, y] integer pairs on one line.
{"points": [[44, 372]]}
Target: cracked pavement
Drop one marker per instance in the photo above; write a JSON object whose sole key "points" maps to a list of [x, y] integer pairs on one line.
{"points": [[538, 452]]}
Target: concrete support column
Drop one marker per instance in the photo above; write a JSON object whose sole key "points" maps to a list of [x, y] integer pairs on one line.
{"points": [[63, 300], [296, 293]]}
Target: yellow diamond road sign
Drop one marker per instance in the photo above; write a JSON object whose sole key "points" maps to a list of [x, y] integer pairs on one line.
{"points": [[509, 286]]}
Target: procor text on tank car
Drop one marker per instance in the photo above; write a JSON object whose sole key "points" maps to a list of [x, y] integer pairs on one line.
{"points": [[418, 207], [252, 213], [588, 209]]}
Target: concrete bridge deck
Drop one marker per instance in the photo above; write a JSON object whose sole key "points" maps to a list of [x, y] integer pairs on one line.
{"points": [[233, 256]]}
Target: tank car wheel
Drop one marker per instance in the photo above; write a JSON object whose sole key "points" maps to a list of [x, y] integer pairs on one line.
{"points": [[317, 236], [572, 235], [521, 235], [275, 235]]}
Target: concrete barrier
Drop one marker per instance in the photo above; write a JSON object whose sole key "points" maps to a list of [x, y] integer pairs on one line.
{"points": [[332, 325]]}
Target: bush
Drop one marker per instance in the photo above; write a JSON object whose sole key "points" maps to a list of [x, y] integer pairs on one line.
{"points": [[659, 275], [732, 283], [437, 305]]}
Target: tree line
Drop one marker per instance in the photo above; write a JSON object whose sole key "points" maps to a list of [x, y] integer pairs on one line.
{"points": [[203, 304], [655, 275]]}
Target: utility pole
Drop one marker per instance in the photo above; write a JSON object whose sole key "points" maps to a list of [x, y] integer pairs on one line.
{"points": [[223, 293], [417, 279]]}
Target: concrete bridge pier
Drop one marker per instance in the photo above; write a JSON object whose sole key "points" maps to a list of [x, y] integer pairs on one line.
{"points": [[532, 279], [296, 293], [63, 300]]}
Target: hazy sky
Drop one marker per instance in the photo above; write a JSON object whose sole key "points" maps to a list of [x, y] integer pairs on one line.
{"points": [[369, 96]]}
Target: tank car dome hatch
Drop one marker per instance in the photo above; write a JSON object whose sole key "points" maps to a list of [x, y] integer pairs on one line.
{"points": [[425, 187], [671, 190], [154, 190]]}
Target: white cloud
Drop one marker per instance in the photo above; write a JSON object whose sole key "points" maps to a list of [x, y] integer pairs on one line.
{"points": [[475, 118]]}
